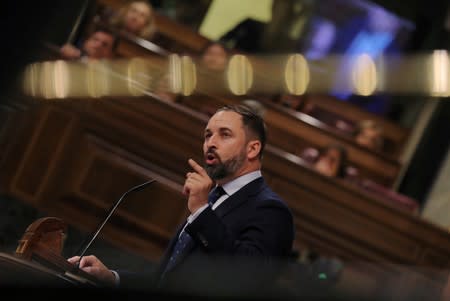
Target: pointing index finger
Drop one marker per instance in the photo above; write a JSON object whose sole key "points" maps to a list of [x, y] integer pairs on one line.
{"points": [[197, 167]]}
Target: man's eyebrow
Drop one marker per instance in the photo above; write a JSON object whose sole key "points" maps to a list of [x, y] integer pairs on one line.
{"points": [[223, 128]]}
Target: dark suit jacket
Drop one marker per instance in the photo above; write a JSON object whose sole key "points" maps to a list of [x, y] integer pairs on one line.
{"points": [[239, 247]]}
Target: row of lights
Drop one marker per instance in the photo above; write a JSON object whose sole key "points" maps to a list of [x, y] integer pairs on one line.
{"points": [[424, 74]]}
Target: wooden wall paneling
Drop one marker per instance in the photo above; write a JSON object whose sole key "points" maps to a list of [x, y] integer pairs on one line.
{"points": [[318, 242], [89, 173], [41, 156], [128, 130], [149, 121], [8, 116], [150, 215], [11, 137], [16, 138], [108, 173], [433, 257], [123, 127], [353, 230]]}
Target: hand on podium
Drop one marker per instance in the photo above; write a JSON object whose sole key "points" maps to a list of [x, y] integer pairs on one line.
{"points": [[93, 266]]}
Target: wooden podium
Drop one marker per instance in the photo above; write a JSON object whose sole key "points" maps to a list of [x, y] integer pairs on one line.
{"points": [[37, 261]]}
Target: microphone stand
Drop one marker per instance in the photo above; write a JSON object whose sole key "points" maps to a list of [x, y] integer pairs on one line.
{"points": [[111, 211]]}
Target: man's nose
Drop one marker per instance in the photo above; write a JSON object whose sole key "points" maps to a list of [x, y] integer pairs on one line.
{"points": [[211, 141]]}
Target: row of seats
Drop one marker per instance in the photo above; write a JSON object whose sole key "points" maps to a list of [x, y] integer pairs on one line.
{"points": [[347, 118], [333, 164]]}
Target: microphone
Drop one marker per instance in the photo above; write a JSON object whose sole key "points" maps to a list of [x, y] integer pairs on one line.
{"points": [[92, 237]]}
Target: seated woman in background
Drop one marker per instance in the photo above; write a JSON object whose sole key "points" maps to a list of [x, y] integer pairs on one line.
{"points": [[369, 134], [136, 18], [211, 72], [215, 57], [331, 161]]}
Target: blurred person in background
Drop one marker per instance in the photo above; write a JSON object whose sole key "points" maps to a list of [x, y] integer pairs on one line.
{"points": [[98, 45], [331, 161], [136, 18], [369, 134]]}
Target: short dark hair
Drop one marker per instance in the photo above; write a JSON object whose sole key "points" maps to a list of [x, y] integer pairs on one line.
{"points": [[252, 121], [108, 30]]}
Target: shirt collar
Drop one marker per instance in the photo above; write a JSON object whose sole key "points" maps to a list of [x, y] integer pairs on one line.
{"points": [[236, 184]]}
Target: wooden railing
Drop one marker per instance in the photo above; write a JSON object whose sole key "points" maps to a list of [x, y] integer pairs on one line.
{"points": [[394, 135]]}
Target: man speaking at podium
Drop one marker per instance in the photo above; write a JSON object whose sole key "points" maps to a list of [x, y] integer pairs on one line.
{"points": [[239, 231]]}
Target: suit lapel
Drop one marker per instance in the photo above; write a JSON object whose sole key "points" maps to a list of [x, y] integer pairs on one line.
{"points": [[240, 196]]}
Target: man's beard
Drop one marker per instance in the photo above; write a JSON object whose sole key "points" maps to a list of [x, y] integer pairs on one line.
{"points": [[222, 170]]}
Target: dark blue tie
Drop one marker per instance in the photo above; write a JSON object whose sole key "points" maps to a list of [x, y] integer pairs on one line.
{"points": [[215, 194], [185, 241]]}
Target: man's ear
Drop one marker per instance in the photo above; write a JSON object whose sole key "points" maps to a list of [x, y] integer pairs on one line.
{"points": [[253, 149]]}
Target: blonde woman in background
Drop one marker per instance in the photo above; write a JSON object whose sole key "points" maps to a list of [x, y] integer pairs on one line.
{"points": [[137, 18]]}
